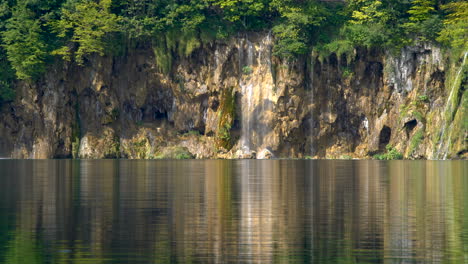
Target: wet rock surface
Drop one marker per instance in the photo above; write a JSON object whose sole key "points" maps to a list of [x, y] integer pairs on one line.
{"points": [[124, 107]]}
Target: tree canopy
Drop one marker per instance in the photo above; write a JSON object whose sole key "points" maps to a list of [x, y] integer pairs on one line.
{"points": [[33, 32]]}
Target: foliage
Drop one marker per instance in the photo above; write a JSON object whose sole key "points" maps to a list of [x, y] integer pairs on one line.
{"points": [[33, 32], [455, 31], [423, 21], [246, 70], [423, 98], [337, 46], [391, 154], [295, 23], [87, 22], [416, 140], [346, 73], [421, 10], [7, 76], [226, 119], [24, 43]]}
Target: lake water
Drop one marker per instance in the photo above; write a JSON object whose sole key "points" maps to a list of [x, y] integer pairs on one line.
{"points": [[248, 211]]}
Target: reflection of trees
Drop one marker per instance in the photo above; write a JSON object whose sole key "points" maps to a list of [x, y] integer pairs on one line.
{"points": [[218, 211]]}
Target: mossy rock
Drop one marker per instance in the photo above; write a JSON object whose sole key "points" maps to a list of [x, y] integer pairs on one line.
{"points": [[416, 141], [227, 111], [175, 152]]}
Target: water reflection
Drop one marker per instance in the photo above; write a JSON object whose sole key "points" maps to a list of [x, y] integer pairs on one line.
{"points": [[233, 211]]}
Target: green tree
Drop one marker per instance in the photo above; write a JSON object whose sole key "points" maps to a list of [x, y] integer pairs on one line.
{"points": [[367, 12], [421, 10], [424, 23], [246, 12], [88, 23], [455, 31], [24, 42], [296, 22], [7, 76]]}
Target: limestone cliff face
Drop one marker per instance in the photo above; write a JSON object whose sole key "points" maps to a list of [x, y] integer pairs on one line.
{"points": [[235, 100]]}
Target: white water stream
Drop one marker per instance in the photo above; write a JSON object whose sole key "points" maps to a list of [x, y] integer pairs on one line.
{"points": [[256, 85], [311, 86], [443, 148]]}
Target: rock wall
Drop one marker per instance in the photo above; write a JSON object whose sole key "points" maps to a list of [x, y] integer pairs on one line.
{"points": [[346, 106]]}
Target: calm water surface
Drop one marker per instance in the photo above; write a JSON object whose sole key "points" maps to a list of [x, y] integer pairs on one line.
{"points": [[282, 211]]}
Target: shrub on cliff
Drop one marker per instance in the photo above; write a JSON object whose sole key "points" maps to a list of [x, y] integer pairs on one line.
{"points": [[391, 154]]}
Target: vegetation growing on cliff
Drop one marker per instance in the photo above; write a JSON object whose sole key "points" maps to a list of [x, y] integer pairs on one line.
{"points": [[226, 119], [391, 154], [33, 32]]}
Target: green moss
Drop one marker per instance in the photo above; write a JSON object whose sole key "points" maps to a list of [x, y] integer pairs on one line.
{"points": [[455, 85], [163, 55], [247, 70], [416, 140], [338, 47], [423, 98], [192, 133], [226, 119], [347, 73], [458, 140], [455, 79], [404, 111], [174, 43], [176, 152], [391, 154], [419, 116], [187, 43], [415, 108]]}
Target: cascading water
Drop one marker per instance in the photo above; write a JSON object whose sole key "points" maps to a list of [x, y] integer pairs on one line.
{"points": [[247, 92], [311, 87], [256, 84], [443, 147]]}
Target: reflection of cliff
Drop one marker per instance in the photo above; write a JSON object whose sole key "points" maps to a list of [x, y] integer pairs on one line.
{"points": [[219, 211]]}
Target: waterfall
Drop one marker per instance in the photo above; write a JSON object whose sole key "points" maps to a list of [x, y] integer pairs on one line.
{"points": [[247, 94], [311, 87], [443, 148], [256, 85]]}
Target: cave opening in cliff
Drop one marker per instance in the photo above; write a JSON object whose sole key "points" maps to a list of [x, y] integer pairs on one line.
{"points": [[410, 125], [160, 115], [384, 137]]}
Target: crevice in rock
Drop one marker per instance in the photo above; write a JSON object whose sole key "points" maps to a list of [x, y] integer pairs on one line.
{"points": [[384, 137]]}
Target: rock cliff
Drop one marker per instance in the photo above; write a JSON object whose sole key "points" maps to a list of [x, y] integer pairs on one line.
{"points": [[234, 99]]}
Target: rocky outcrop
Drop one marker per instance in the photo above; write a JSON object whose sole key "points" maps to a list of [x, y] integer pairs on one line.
{"points": [[234, 99]]}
